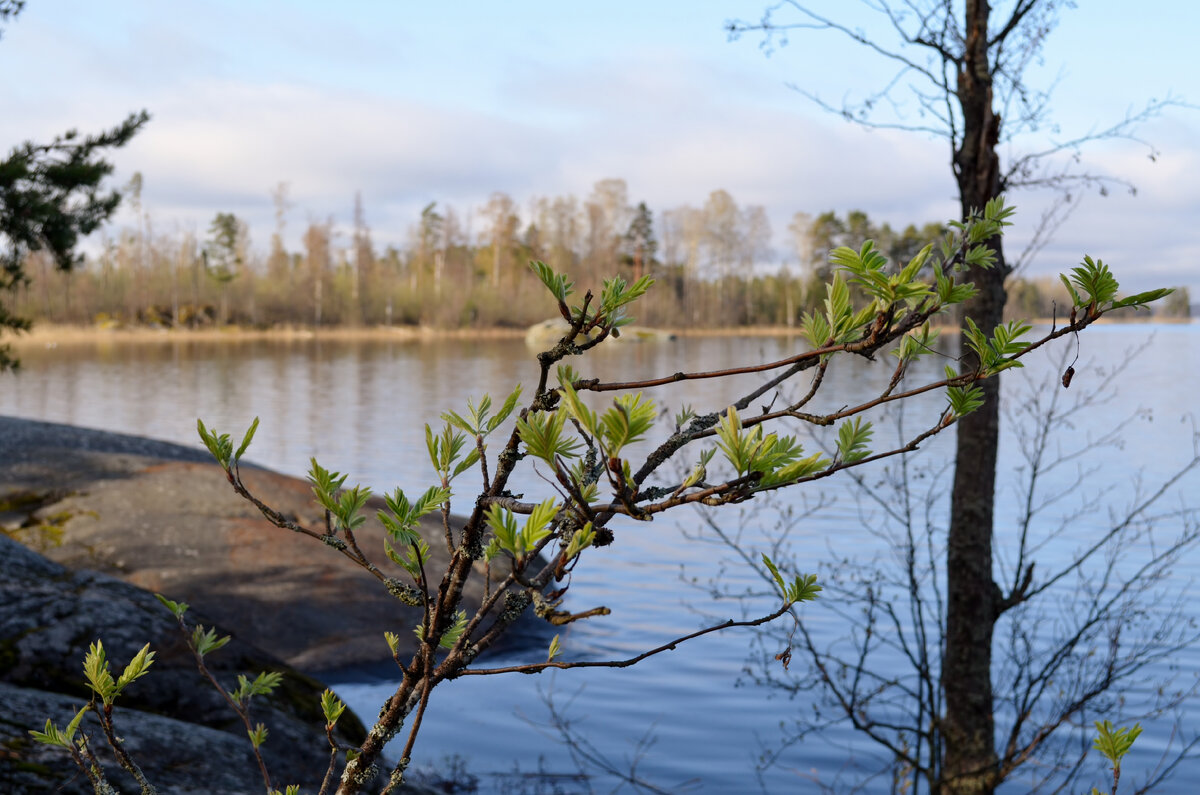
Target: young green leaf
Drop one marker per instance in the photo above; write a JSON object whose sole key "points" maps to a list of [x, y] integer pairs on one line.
{"points": [[586, 418], [556, 283], [348, 507], [949, 292], [838, 312], [626, 422], [332, 707], [860, 263], [750, 451], [803, 588], [585, 472], [581, 539], [964, 399], [452, 633], [504, 528], [470, 460], [862, 317], [774, 573], [416, 555], [537, 526], [1141, 299], [510, 403], [775, 452], [138, 667], [52, 735], [816, 329], [617, 294], [737, 446], [455, 631], [433, 498], [205, 641], [325, 485], [246, 440], [401, 516], [700, 470], [797, 469], [1095, 278], [219, 445], [916, 343], [258, 735], [265, 683], [177, 608], [853, 437], [262, 685], [1115, 743], [95, 670], [542, 434], [480, 423], [1006, 343], [73, 726], [980, 256], [1075, 299], [910, 271], [445, 449]]}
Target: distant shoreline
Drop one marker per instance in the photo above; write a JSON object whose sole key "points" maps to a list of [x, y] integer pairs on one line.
{"points": [[43, 334], [46, 334]]}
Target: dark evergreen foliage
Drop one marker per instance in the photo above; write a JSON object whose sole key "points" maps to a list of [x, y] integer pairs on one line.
{"points": [[50, 196]]}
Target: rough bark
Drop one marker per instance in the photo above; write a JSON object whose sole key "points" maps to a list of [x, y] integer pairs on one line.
{"points": [[970, 763]]}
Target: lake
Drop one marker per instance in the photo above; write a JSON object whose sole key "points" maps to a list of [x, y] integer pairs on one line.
{"points": [[360, 407]]}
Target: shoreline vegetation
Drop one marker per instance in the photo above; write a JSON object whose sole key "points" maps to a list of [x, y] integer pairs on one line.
{"points": [[716, 269], [54, 334]]}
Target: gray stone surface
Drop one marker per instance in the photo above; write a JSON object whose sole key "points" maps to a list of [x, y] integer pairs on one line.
{"points": [[140, 514], [28, 446], [163, 517], [176, 756], [178, 724]]}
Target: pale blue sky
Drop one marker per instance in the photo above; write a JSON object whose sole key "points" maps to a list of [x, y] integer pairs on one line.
{"points": [[415, 102]]}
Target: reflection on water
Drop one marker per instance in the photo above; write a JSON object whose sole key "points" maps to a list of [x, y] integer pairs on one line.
{"points": [[360, 407]]}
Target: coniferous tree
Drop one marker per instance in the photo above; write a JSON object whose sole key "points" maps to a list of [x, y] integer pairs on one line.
{"points": [[222, 255], [50, 196], [640, 245]]}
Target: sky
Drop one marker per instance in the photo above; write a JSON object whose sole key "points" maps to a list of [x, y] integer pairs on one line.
{"points": [[412, 102]]}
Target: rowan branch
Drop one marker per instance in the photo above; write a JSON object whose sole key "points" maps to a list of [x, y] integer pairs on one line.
{"points": [[534, 668]]}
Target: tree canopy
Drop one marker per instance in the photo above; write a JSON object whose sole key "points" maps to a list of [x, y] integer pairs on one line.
{"points": [[51, 195]]}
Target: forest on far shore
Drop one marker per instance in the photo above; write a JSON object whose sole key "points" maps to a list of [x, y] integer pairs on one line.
{"points": [[709, 262]]}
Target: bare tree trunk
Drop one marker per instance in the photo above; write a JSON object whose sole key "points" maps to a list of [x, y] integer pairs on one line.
{"points": [[973, 599], [175, 287], [496, 263]]}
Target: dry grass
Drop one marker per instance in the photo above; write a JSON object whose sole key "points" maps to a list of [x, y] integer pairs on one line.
{"points": [[43, 334]]}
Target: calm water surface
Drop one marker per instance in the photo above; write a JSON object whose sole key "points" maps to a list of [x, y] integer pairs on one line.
{"points": [[361, 408]]}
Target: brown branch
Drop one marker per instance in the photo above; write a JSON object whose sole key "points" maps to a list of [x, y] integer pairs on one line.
{"points": [[534, 668], [104, 713], [823, 23], [1019, 12], [406, 754], [348, 548], [865, 346], [333, 758], [241, 711]]}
